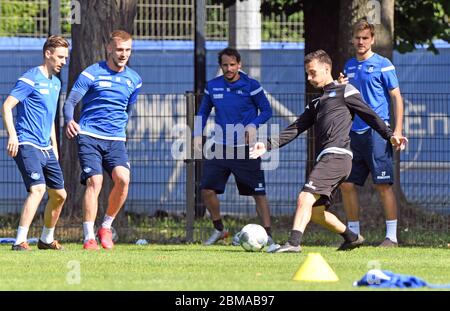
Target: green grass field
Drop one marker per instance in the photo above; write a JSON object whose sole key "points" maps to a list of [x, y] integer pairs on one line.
{"points": [[195, 267]]}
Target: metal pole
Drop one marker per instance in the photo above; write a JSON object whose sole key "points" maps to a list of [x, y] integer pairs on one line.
{"points": [[55, 17], [199, 86], [190, 169], [54, 10]]}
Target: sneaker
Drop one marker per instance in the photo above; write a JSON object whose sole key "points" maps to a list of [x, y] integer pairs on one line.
{"points": [[236, 239], [90, 245], [54, 245], [347, 246], [105, 237], [270, 241], [21, 247], [216, 236], [288, 248], [388, 243]]}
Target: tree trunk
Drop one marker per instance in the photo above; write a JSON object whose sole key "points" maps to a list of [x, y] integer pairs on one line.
{"points": [[89, 39], [320, 26]]}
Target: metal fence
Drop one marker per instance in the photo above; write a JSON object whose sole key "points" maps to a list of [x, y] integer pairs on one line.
{"points": [[155, 20], [159, 182]]}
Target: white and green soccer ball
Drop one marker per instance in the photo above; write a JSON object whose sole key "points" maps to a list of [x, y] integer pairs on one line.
{"points": [[253, 238]]}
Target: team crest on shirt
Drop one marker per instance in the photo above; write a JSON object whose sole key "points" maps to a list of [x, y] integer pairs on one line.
{"points": [[129, 82], [370, 69], [87, 169], [332, 94]]}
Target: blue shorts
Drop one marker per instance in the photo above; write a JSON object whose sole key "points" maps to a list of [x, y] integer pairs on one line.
{"points": [[247, 173], [96, 154], [39, 167], [371, 154]]}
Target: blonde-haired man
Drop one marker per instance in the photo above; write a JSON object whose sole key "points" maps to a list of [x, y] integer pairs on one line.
{"points": [[108, 89]]}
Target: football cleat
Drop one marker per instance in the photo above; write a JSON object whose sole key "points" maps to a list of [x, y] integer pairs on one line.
{"points": [[105, 237], [21, 247], [216, 236], [54, 245], [90, 245], [347, 246]]}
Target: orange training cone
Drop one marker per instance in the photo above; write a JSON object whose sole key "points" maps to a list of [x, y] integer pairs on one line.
{"points": [[315, 269]]}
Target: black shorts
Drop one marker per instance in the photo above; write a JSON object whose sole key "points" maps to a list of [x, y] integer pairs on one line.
{"points": [[326, 176], [247, 172]]}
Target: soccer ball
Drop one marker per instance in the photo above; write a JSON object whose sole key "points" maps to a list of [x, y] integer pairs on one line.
{"points": [[253, 238]]}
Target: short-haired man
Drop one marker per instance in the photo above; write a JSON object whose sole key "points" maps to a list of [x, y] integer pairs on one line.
{"points": [[109, 89], [331, 115], [32, 142], [375, 78], [241, 107]]}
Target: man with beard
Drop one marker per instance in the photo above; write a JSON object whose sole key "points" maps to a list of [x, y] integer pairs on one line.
{"points": [[109, 89], [241, 107]]}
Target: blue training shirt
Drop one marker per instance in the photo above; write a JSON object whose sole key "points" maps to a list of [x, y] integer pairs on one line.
{"points": [[36, 111], [235, 103], [106, 96], [374, 78]]}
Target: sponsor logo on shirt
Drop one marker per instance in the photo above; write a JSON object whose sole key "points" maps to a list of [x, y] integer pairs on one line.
{"points": [[104, 83], [239, 92], [44, 91], [332, 94], [105, 77], [351, 68], [218, 88], [217, 96]]}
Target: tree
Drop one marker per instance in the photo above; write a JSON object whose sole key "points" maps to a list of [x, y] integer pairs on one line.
{"points": [[417, 22], [89, 38]]}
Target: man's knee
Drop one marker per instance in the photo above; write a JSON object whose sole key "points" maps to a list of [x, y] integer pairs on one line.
{"points": [[121, 178], [37, 190], [95, 183], [347, 187], [59, 195], [208, 193], [384, 189]]}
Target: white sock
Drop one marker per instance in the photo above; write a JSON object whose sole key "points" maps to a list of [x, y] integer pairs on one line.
{"points": [[88, 230], [47, 235], [391, 230], [107, 222], [22, 233], [353, 226]]}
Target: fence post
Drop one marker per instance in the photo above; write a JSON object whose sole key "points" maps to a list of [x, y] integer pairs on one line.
{"points": [[190, 169]]}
